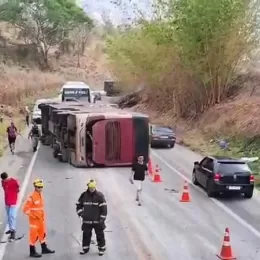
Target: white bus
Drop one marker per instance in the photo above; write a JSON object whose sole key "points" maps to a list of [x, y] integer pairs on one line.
{"points": [[76, 90]]}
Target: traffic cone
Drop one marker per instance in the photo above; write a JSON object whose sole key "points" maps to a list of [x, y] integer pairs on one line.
{"points": [[226, 250], [157, 176], [185, 197], [150, 167]]}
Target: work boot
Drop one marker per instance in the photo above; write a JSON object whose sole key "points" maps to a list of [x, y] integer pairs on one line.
{"points": [[101, 250], [33, 252], [46, 250], [12, 235], [84, 251]]}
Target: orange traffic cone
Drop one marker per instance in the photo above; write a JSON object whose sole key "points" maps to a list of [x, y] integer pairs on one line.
{"points": [[185, 197], [150, 167], [157, 176], [226, 250]]}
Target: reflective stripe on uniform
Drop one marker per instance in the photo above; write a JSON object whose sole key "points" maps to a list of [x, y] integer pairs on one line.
{"points": [[102, 204], [90, 222], [91, 203], [87, 222], [36, 209], [79, 211], [102, 216], [33, 226], [85, 247]]}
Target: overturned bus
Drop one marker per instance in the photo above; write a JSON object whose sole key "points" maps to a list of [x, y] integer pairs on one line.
{"points": [[99, 136], [50, 120]]}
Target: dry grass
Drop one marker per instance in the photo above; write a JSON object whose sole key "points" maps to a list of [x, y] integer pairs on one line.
{"points": [[18, 85], [22, 86]]}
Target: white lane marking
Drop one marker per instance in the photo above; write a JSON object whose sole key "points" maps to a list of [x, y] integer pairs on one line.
{"points": [[218, 203], [19, 202]]}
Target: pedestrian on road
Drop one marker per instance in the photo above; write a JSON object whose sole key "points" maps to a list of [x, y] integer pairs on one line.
{"points": [[1, 114], [27, 115], [34, 209], [11, 190], [92, 208], [139, 170], [35, 134], [12, 133]]}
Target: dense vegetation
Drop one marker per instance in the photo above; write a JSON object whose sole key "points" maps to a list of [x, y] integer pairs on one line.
{"points": [[188, 53]]}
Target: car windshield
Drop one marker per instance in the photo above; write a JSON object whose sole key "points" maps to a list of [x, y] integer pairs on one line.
{"points": [[161, 129], [233, 167]]}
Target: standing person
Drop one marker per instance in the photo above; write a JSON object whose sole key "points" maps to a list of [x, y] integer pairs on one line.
{"points": [[139, 170], [1, 114], [27, 115], [11, 190], [12, 133], [92, 208], [35, 134], [34, 209]]}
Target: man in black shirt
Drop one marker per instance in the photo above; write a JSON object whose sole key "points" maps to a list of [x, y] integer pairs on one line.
{"points": [[139, 170]]}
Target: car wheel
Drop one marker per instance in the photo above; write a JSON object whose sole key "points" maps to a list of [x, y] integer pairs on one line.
{"points": [[194, 178], [249, 194], [209, 190]]}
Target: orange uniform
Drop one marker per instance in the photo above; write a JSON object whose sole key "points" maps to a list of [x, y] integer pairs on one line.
{"points": [[34, 208]]}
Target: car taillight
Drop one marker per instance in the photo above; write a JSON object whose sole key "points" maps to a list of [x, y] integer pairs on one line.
{"points": [[252, 178], [217, 177]]}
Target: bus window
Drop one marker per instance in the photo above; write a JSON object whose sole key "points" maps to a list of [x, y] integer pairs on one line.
{"points": [[76, 93]]}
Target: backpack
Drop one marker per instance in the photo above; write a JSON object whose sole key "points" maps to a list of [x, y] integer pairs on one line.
{"points": [[11, 132], [35, 130]]}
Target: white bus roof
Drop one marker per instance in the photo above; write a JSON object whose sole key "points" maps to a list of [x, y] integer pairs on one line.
{"points": [[74, 86], [75, 83]]}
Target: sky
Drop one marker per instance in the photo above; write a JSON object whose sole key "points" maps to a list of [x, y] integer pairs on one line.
{"points": [[118, 14]]}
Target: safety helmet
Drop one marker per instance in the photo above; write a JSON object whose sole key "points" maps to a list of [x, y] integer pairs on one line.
{"points": [[38, 183], [92, 184]]}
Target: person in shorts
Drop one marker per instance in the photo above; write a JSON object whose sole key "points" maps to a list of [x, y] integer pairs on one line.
{"points": [[139, 170], [11, 134]]}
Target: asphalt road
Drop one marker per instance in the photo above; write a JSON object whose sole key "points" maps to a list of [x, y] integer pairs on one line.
{"points": [[163, 228]]}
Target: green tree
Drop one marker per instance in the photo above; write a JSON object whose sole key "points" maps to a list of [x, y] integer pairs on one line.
{"points": [[190, 50], [80, 36], [45, 23]]}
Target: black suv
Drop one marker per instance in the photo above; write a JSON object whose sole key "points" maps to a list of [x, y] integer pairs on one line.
{"points": [[223, 175]]}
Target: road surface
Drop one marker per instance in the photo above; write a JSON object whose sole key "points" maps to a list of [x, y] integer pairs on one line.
{"points": [[163, 228]]}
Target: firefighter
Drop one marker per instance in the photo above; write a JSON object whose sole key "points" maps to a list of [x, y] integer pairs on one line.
{"points": [[35, 134], [34, 209], [92, 208]]}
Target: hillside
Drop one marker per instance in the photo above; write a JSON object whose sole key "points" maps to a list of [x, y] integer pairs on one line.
{"points": [[23, 80]]}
